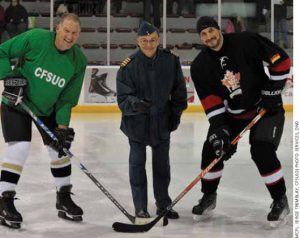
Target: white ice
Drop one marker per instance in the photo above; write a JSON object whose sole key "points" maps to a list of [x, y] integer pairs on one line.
{"points": [[242, 205]]}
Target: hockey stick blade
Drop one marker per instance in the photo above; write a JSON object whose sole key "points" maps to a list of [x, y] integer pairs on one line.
{"points": [[130, 228], [133, 228]]}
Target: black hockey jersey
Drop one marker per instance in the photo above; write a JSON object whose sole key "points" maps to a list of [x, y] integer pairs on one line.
{"points": [[229, 81]]}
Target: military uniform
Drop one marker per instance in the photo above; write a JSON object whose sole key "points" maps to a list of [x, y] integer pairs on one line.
{"points": [[160, 81]]}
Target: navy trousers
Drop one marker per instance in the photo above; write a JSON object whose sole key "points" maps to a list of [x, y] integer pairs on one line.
{"points": [[161, 173]]}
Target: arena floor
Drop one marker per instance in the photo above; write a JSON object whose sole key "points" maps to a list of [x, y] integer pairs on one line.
{"points": [[242, 205]]}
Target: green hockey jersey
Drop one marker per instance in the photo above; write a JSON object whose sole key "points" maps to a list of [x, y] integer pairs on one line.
{"points": [[54, 78]]}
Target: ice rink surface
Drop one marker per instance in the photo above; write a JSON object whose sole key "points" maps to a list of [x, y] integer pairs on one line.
{"points": [[242, 205]]}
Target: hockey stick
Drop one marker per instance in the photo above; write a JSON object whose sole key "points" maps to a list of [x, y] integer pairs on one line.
{"points": [[82, 167], [122, 227]]}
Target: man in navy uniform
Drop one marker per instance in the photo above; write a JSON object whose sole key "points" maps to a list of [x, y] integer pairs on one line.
{"points": [[151, 94]]}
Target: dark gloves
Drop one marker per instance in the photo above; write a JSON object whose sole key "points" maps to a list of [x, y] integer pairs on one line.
{"points": [[219, 138], [14, 89], [174, 122], [65, 136], [229, 152], [271, 97], [143, 105]]}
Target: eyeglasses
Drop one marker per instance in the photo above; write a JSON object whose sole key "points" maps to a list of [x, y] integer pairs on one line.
{"points": [[144, 41]]}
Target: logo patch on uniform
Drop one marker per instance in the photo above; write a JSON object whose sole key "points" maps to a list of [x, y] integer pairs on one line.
{"points": [[274, 58], [223, 61], [232, 82]]}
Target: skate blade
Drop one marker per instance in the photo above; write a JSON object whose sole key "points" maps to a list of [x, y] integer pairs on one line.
{"points": [[143, 221], [64, 215], [279, 223], [9, 224], [205, 216]]}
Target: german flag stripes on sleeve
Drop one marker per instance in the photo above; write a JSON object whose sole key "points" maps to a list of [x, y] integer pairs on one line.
{"points": [[279, 69]]}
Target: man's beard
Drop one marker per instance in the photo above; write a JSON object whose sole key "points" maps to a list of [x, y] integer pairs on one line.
{"points": [[214, 43]]}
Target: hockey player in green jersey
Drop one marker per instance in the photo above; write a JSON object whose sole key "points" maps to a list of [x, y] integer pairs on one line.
{"points": [[48, 79]]}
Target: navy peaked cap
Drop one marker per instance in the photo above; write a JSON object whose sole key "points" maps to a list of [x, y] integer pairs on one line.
{"points": [[205, 22], [146, 28]]}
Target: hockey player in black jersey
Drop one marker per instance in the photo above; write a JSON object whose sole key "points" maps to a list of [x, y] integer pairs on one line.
{"points": [[232, 85]]}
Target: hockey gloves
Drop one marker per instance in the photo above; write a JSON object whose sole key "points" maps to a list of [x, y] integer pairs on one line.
{"points": [[271, 97], [14, 89], [143, 105], [174, 122], [65, 136], [219, 138]]}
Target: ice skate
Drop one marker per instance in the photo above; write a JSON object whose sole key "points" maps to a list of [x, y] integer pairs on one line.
{"points": [[9, 216], [204, 209], [98, 85], [67, 209], [278, 214], [102, 83]]}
